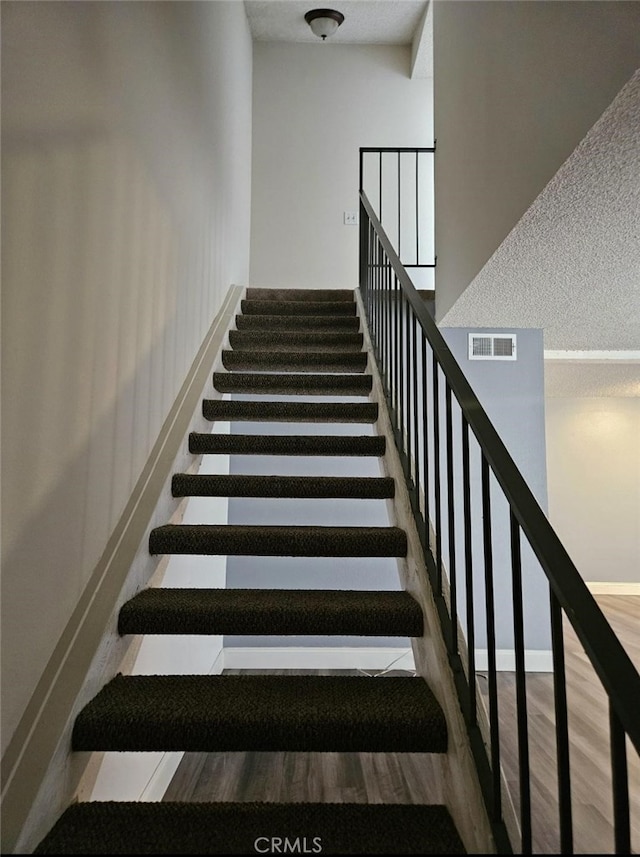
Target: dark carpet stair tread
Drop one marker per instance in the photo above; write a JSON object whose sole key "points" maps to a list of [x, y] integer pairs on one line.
{"points": [[304, 487], [289, 340], [306, 307], [163, 610], [306, 713], [256, 540], [299, 361], [168, 827], [292, 384], [309, 412], [313, 295], [201, 443], [335, 323]]}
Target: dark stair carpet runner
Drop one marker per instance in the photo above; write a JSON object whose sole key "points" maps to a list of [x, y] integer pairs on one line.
{"points": [[285, 342]]}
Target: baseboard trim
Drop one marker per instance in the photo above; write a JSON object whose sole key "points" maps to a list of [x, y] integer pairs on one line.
{"points": [[604, 588], [535, 660], [318, 658]]}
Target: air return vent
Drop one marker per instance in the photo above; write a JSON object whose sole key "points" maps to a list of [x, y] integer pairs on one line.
{"points": [[492, 346]]}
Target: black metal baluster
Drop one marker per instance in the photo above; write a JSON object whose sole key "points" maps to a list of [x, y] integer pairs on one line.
{"points": [[416, 454], [425, 443], [380, 186], [410, 368], [386, 287], [403, 374], [384, 346], [620, 784], [496, 788], [521, 688], [436, 475], [451, 521], [396, 347], [468, 564], [417, 217], [396, 350], [562, 728], [399, 238]]}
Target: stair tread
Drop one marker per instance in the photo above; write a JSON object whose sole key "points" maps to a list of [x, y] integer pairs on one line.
{"points": [[313, 295], [163, 610], [265, 321], [305, 307], [170, 827], [300, 361], [287, 383], [209, 713], [257, 411], [292, 340], [247, 444], [257, 540], [247, 485]]}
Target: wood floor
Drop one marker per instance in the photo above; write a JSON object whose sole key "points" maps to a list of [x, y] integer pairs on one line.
{"points": [[589, 754], [413, 778]]}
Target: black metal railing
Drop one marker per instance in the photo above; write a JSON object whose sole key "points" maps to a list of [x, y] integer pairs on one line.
{"points": [[399, 184], [466, 491]]}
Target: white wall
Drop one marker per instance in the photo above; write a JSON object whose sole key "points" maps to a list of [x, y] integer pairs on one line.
{"points": [[125, 201], [593, 453], [314, 106]]}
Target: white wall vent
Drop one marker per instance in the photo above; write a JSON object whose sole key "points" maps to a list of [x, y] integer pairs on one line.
{"points": [[492, 346]]}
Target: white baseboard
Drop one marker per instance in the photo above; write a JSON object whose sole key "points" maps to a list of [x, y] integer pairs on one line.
{"points": [[317, 658], [605, 588], [535, 660]]}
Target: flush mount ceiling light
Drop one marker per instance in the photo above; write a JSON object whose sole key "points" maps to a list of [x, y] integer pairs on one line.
{"points": [[324, 22]]}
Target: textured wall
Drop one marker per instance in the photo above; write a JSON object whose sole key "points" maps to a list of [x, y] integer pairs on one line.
{"points": [[570, 265], [125, 196], [517, 87]]}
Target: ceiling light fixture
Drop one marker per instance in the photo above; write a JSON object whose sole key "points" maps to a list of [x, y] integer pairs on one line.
{"points": [[324, 22]]}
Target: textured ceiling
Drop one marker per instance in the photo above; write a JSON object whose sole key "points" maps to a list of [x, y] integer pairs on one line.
{"points": [[381, 22], [571, 265]]}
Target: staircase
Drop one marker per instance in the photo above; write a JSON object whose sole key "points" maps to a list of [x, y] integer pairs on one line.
{"points": [[299, 344]]}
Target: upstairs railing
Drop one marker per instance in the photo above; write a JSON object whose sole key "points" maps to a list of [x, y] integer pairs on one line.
{"points": [[466, 490], [399, 184]]}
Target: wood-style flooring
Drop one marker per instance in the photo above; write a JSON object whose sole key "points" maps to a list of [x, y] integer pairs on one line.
{"points": [[589, 749], [413, 778]]}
